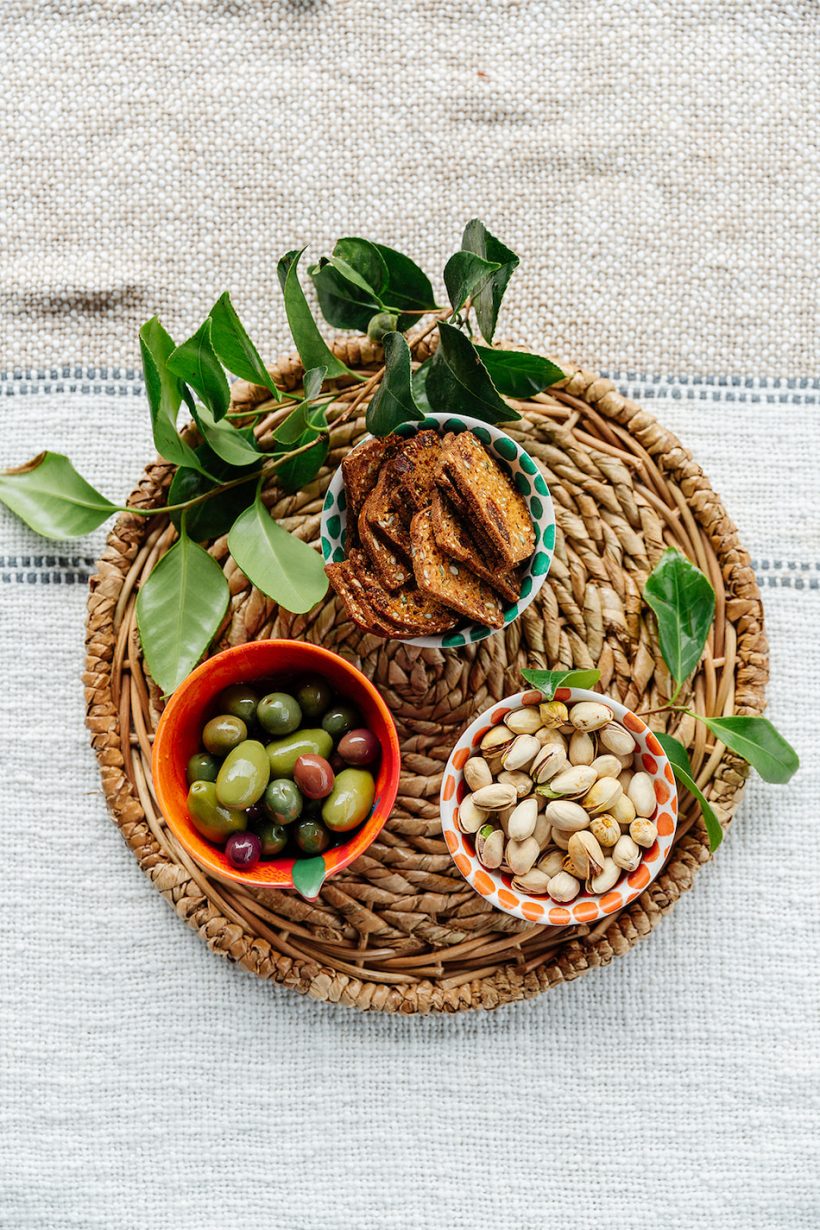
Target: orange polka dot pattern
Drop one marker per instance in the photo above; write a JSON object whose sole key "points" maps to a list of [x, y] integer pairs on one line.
{"points": [[587, 907]]}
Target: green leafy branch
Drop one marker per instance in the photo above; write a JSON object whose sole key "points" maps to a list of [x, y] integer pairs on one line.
{"points": [[223, 465]]}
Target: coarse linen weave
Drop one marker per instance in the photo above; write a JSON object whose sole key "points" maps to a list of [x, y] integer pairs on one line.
{"points": [[655, 165]]}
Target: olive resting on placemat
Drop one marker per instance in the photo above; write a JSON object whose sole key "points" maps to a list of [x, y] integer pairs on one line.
{"points": [[263, 786]]}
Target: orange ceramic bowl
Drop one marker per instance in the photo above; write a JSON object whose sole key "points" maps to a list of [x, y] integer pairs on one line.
{"points": [[178, 737]]}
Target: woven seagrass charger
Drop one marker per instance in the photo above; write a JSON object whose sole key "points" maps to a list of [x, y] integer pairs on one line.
{"points": [[400, 930]]}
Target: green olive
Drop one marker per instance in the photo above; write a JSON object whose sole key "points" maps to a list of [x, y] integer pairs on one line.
{"points": [[202, 768], [244, 775], [349, 801], [283, 753], [209, 817], [339, 720], [223, 733], [314, 696], [273, 837], [238, 700], [282, 801], [311, 836], [278, 713]]}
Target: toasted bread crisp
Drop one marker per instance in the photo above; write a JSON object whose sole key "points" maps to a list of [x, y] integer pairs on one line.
{"points": [[415, 466], [387, 511], [360, 469], [408, 612], [495, 507], [390, 568], [449, 583], [455, 540], [351, 592]]}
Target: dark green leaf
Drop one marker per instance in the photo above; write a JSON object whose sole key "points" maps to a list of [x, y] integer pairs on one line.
{"points": [[278, 563], [393, 401], [759, 743], [234, 347], [487, 301], [419, 386], [52, 498], [352, 275], [313, 349], [236, 447], [213, 517], [464, 273], [164, 391], [364, 257], [516, 373], [304, 418], [196, 363], [342, 304], [684, 605], [179, 609], [679, 760], [548, 682], [299, 471], [458, 382], [408, 288]]}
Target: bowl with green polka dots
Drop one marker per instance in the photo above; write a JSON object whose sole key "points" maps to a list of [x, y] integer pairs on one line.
{"points": [[525, 476]]}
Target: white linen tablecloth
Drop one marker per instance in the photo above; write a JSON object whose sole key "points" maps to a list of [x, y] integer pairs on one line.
{"points": [[653, 166]]}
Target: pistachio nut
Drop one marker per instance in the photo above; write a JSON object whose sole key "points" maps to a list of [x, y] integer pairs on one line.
{"points": [[602, 795], [607, 765], [477, 773], [495, 796], [608, 876], [643, 832], [569, 866], [503, 817], [533, 881], [496, 739], [521, 855], [586, 854], [522, 782], [551, 863], [560, 838], [470, 817], [549, 761], [572, 782], [606, 830], [642, 793], [568, 816], [626, 853], [522, 822], [623, 810], [549, 734], [581, 748], [489, 847], [590, 715], [616, 738], [541, 832], [524, 721], [521, 752], [553, 713], [563, 887], [625, 777]]}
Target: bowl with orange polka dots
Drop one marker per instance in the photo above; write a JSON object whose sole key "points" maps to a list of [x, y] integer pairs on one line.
{"points": [[496, 886]]}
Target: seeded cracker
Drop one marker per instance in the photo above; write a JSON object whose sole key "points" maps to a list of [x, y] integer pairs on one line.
{"points": [[495, 507], [351, 592], [360, 470], [390, 569], [455, 540], [449, 583], [387, 511], [415, 466], [409, 612]]}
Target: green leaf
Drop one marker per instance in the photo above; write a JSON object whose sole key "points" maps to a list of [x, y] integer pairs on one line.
{"points": [[458, 381], [196, 363], [300, 470], [342, 304], [313, 381], [213, 517], [52, 498], [518, 374], [684, 605], [352, 275], [549, 682], [164, 390], [419, 387], [362, 278], [464, 273], [234, 347], [276, 562], [313, 349], [366, 259], [407, 287], [304, 419], [487, 301], [238, 448], [309, 876], [759, 743], [179, 610], [393, 401], [679, 760]]}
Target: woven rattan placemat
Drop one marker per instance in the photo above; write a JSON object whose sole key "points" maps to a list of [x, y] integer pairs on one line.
{"points": [[400, 930]]}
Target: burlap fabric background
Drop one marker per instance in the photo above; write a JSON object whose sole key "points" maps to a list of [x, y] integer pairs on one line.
{"points": [[655, 166]]}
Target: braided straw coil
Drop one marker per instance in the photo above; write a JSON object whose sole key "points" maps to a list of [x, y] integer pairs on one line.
{"points": [[399, 930]]}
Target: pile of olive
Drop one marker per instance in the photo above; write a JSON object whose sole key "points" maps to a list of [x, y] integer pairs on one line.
{"points": [[282, 773]]}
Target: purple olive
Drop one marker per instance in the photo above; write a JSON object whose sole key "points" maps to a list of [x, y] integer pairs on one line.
{"points": [[359, 747], [314, 776], [243, 850]]}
